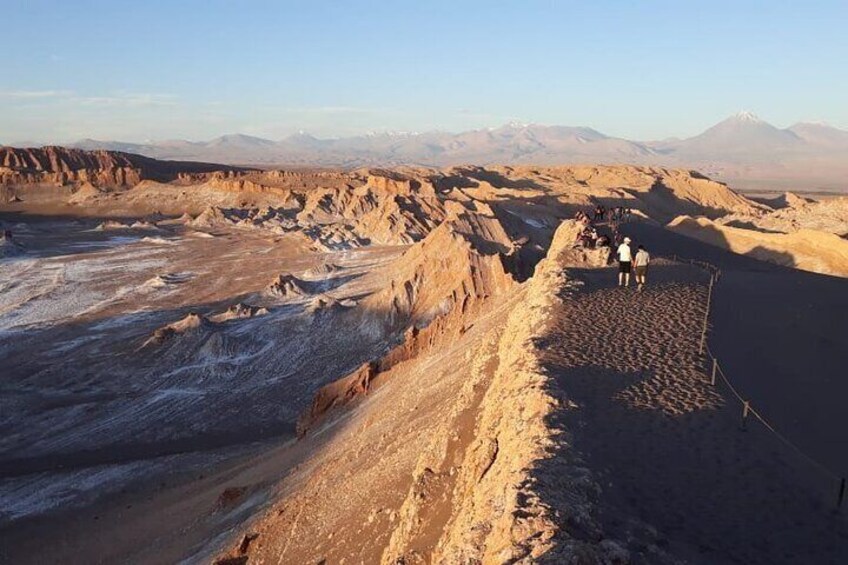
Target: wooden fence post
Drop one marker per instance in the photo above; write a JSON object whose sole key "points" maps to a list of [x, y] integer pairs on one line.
{"points": [[710, 296], [706, 317], [746, 407]]}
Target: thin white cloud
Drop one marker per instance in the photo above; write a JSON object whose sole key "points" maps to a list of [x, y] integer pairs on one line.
{"points": [[113, 99], [326, 110], [34, 93], [131, 100], [468, 114]]}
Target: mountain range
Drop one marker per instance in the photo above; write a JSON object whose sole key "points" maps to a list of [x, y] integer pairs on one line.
{"points": [[742, 150]]}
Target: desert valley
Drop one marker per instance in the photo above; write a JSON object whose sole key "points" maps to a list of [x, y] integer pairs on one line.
{"points": [[423, 283], [227, 364]]}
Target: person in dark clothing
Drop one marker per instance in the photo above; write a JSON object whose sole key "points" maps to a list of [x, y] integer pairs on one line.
{"points": [[600, 212]]}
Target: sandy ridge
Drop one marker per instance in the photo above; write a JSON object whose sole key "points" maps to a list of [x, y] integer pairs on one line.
{"points": [[501, 517]]}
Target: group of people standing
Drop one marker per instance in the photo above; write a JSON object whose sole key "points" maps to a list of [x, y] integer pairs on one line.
{"points": [[615, 214], [628, 261]]}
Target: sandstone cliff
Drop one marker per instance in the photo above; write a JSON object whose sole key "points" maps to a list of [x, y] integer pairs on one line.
{"points": [[53, 165]]}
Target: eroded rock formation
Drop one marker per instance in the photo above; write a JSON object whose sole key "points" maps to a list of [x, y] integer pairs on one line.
{"points": [[55, 165]]}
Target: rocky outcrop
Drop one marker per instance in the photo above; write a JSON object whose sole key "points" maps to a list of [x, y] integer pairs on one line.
{"points": [[192, 323], [286, 286], [337, 394], [436, 289], [238, 311], [385, 211], [415, 342], [828, 215], [323, 304], [465, 260], [792, 200], [84, 193], [210, 217]]}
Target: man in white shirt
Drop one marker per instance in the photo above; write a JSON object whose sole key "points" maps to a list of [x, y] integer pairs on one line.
{"points": [[625, 259], [640, 262]]}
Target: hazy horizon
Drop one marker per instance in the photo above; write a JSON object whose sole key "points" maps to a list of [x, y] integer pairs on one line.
{"points": [[366, 133], [198, 70]]}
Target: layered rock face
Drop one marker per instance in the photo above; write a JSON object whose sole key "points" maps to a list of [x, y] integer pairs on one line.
{"points": [[433, 292], [54, 165], [462, 261]]}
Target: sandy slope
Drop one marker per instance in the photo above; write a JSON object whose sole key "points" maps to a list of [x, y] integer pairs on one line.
{"points": [[792, 367], [810, 250], [678, 479]]}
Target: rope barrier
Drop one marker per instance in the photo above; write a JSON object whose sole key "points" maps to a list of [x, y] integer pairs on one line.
{"points": [[787, 442], [747, 408]]}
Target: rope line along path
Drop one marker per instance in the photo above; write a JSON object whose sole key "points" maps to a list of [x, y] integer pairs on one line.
{"points": [[747, 409]]}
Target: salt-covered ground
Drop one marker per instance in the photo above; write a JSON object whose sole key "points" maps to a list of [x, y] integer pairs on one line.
{"points": [[87, 406]]}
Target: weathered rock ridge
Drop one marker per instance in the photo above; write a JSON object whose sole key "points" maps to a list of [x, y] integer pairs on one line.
{"points": [[53, 165]]}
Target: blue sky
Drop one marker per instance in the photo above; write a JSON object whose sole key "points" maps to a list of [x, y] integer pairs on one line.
{"points": [[197, 69]]}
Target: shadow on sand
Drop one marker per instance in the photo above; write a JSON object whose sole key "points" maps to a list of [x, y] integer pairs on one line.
{"points": [[691, 485]]}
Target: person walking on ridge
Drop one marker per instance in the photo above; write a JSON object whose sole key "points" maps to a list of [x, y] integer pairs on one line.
{"points": [[625, 258], [640, 262]]}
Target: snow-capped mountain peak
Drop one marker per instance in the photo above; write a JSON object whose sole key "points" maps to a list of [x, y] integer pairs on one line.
{"points": [[746, 116]]}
